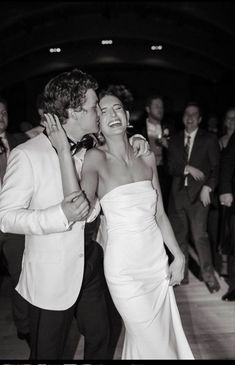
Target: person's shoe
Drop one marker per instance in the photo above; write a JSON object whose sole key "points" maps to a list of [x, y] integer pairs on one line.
{"points": [[24, 336], [229, 296], [212, 285]]}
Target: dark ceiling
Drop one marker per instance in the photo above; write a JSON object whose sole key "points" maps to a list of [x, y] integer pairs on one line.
{"points": [[198, 38], [197, 55]]}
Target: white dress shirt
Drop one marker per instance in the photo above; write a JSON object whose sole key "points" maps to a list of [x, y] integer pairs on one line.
{"points": [[154, 130]]}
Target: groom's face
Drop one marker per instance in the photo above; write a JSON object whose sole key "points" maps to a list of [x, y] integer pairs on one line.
{"points": [[83, 120], [88, 116]]}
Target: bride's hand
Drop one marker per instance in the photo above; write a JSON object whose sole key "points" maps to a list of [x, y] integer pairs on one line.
{"points": [[56, 133], [176, 270]]}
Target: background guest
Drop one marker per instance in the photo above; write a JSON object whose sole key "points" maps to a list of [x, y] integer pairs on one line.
{"points": [[194, 165], [227, 191], [158, 133], [12, 245]]}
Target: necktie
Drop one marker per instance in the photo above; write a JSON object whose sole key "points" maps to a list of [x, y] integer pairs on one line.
{"points": [[2, 147], [86, 142], [3, 159], [186, 149], [186, 157]]}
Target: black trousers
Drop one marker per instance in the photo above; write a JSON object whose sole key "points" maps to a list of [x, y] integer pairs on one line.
{"points": [[189, 220], [49, 329], [12, 246], [231, 273]]}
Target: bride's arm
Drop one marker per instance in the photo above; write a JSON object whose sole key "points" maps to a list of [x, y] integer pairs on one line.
{"points": [[90, 173], [75, 205], [177, 266], [70, 180], [59, 141]]}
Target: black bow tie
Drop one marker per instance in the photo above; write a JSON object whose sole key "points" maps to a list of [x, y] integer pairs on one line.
{"points": [[86, 142]]}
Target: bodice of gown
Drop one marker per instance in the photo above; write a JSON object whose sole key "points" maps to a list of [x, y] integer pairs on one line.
{"points": [[130, 206], [134, 251]]}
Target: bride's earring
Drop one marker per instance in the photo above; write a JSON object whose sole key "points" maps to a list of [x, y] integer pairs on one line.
{"points": [[128, 125]]}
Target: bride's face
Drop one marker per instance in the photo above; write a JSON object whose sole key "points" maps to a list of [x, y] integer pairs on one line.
{"points": [[114, 118]]}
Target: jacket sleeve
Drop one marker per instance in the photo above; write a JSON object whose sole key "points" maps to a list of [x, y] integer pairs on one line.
{"points": [[227, 168], [214, 161], [176, 164], [15, 198]]}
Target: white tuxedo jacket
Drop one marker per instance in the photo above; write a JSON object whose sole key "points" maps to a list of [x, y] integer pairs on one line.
{"points": [[30, 204]]}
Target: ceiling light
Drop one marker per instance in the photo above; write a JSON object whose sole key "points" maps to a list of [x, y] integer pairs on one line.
{"points": [[106, 41], [55, 50], [156, 48]]}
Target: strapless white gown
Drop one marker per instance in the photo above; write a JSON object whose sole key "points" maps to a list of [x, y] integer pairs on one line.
{"points": [[136, 269]]}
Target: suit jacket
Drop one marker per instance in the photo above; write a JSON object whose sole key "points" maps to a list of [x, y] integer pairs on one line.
{"points": [[53, 261], [227, 168], [159, 150], [205, 155], [14, 139], [141, 128]]}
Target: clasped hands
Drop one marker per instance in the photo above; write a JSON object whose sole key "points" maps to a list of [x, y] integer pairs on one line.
{"points": [[76, 206]]}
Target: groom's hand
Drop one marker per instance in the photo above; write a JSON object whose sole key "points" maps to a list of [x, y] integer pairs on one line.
{"points": [[140, 145], [75, 206]]}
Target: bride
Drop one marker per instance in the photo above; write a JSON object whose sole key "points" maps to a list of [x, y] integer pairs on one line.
{"points": [[137, 272]]}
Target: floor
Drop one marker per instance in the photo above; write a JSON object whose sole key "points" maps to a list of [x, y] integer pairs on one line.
{"points": [[209, 324]]}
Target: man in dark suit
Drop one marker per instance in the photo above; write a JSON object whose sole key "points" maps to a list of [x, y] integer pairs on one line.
{"points": [[227, 191], [193, 162], [12, 245]]}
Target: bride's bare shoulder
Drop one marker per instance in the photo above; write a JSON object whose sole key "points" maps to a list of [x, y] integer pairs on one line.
{"points": [[94, 156]]}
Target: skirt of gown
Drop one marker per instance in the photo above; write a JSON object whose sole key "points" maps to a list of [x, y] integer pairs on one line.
{"points": [[136, 271]]}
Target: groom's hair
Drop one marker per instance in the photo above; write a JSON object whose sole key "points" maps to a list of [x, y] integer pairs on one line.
{"points": [[67, 90]]}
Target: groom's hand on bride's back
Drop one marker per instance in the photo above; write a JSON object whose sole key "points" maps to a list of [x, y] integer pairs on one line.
{"points": [[75, 206]]}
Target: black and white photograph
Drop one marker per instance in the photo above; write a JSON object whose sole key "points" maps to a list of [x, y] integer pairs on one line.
{"points": [[117, 181]]}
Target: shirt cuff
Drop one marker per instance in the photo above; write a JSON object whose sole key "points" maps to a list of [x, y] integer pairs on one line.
{"points": [[185, 171], [136, 136], [208, 187], [65, 221]]}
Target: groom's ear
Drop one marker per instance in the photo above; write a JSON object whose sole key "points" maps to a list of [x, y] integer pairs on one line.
{"points": [[72, 113]]}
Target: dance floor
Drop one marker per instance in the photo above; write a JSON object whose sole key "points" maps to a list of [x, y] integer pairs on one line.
{"points": [[208, 321]]}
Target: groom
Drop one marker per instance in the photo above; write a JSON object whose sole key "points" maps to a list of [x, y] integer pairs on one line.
{"points": [[53, 279]]}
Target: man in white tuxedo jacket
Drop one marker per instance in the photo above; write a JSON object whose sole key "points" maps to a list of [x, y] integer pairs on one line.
{"points": [[32, 203]]}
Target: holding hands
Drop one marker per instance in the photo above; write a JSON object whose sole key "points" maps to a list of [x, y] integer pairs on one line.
{"points": [[75, 206]]}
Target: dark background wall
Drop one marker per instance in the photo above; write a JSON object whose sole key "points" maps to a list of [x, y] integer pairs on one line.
{"points": [[197, 60]]}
